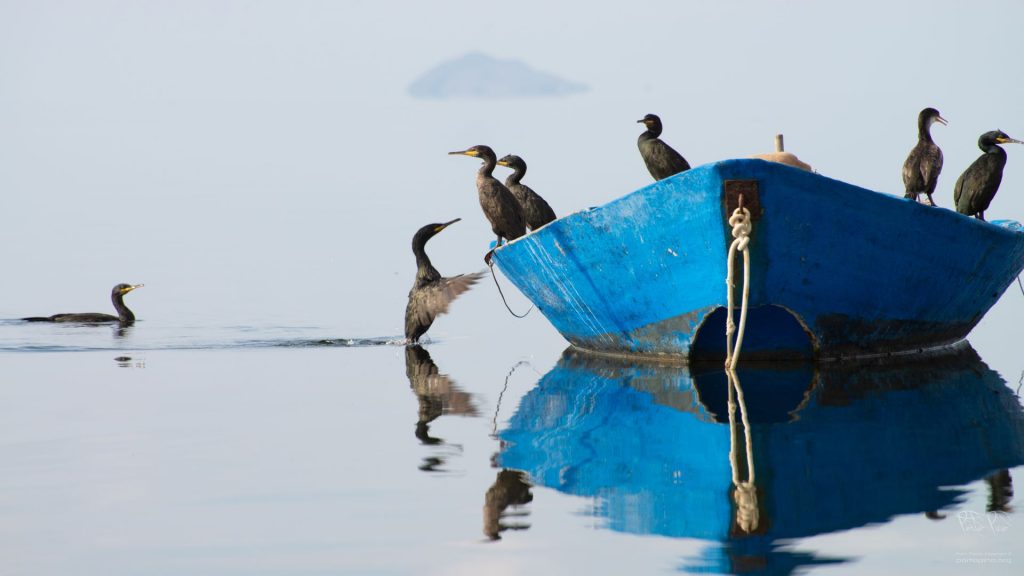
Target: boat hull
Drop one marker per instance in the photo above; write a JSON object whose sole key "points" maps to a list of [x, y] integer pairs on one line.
{"points": [[836, 270]]}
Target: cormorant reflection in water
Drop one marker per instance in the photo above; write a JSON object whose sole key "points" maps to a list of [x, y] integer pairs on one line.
{"points": [[1000, 491], [437, 395], [510, 488]]}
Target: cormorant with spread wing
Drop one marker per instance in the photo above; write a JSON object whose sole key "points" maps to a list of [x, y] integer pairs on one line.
{"points": [[431, 294]]}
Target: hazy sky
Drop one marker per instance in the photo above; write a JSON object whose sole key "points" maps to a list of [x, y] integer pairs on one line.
{"points": [[263, 159]]}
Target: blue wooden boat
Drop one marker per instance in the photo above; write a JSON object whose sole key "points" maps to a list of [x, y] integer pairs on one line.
{"points": [[836, 270], [832, 447]]}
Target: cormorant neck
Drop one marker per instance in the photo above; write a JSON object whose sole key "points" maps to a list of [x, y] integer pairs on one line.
{"points": [[125, 315], [924, 129], [488, 168], [652, 132], [993, 148], [516, 176], [424, 269]]}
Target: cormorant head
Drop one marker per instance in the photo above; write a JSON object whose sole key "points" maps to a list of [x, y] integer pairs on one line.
{"points": [[479, 151], [427, 232], [995, 137], [651, 121], [122, 289], [931, 115], [512, 161]]}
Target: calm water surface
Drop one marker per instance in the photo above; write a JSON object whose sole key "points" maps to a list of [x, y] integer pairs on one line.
{"points": [[168, 448], [263, 178]]}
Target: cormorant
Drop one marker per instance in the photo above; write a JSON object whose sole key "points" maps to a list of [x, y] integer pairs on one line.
{"points": [[124, 317], [921, 170], [662, 161], [499, 205], [431, 294], [536, 211], [976, 187]]}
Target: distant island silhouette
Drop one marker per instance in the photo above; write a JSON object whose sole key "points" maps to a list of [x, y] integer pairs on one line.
{"points": [[477, 75]]}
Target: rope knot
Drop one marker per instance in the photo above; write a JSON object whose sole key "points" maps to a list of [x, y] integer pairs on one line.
{"points": [[741, 229]]}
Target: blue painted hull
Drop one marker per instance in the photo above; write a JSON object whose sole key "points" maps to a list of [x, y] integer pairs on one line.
{"points": [[835, 446], [837, 270]]}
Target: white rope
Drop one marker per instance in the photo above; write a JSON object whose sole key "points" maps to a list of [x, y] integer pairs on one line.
{"points": [[741, 228], [744, 492]]}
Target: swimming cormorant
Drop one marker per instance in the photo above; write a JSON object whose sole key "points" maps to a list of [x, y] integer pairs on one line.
{"points": [[124, 317], [921, 170], [662, 161], [536, 210], [431, 294], [499, 205], [976, 187]]}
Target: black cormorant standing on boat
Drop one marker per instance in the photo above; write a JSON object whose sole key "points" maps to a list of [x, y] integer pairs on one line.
{"points": [[978, 184], [124, 317], [431, 294], [662, 161], [921, 170], [499, 205], [536, 210]]}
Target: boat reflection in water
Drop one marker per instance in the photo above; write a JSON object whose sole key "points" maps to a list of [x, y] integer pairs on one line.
{"points": [[788, 452]]}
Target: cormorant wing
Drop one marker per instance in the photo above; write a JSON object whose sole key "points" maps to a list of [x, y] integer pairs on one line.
{"points": [[931, 165], [977, 185], [83, 317], [912, 176], [432, 301], [676, 159], [536, 210], [662, 160]]}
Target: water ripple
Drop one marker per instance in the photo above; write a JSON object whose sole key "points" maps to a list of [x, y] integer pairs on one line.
{"points": [[17, 336]]}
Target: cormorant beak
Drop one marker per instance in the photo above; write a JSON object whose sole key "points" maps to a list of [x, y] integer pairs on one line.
{"points": [[130, 288], [941, 120], [445, 225], [1008, 140], [641, 121], [502, 163], [465, 153]]}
